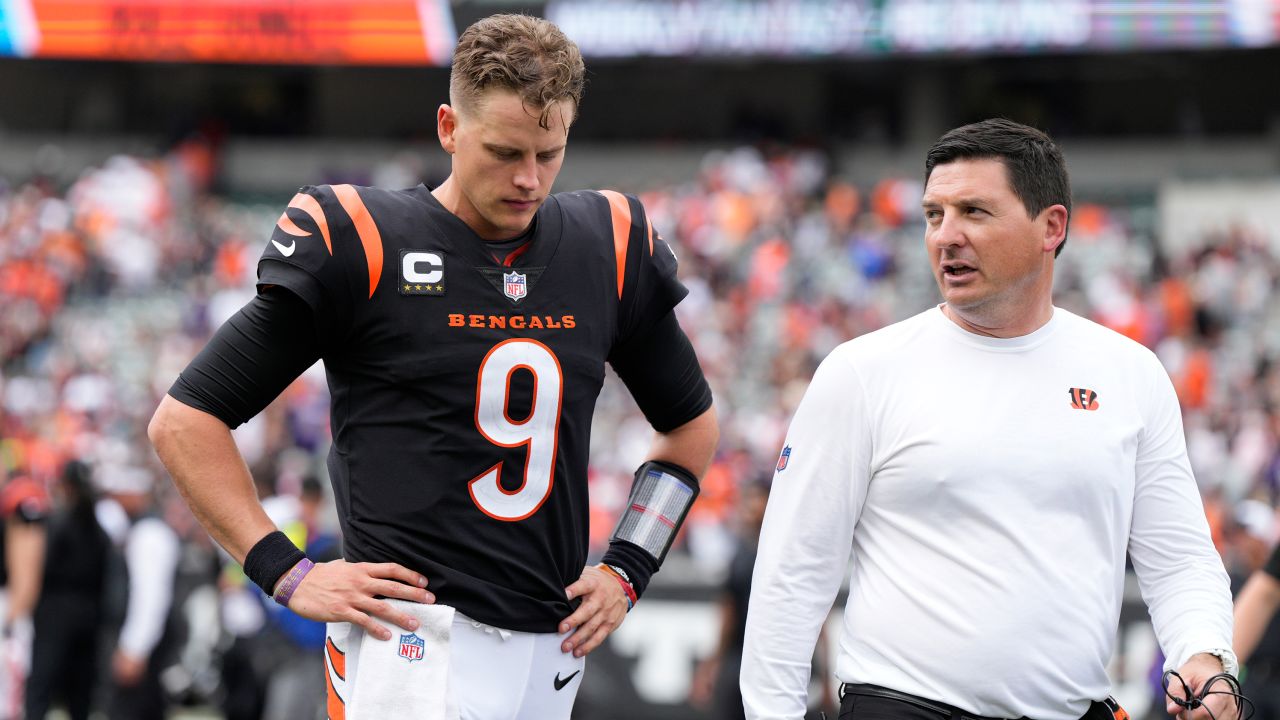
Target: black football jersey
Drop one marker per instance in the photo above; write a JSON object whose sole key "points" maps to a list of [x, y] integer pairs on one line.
{"points": [[463, 388]]}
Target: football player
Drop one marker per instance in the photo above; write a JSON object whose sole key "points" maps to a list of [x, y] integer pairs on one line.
{"points": [[464, 331]]}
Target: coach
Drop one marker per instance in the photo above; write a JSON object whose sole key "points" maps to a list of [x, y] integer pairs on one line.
{"points": [[988, 463]]}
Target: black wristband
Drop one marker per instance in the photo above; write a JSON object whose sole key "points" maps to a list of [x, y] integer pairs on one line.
{"points": [[638, 565], [269, 559]]}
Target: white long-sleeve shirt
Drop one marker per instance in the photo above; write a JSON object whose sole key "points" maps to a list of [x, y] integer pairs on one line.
{"points": [[987, 519], [151, 553]]}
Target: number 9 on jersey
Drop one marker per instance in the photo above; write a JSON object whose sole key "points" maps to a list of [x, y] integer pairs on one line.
{"points": [[538, 431]]}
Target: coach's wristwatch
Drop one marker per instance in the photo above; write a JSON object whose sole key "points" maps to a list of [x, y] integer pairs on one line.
{"points": [[1229, 663]]}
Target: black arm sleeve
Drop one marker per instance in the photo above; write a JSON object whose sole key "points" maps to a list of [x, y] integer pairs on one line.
{"points": [[251, 359], [661, 370]]}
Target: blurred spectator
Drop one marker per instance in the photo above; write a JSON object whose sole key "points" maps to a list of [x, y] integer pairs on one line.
{"points": [[1257, 636], [151, 555], [296, 685], [273, 668], [24, 507], [244, 668], [716, 679], [69, 616], [1245, 535]]}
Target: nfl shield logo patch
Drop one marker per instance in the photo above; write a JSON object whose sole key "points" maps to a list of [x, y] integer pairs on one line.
{"points": [[784, 458], [412, 647], [515, 285]]}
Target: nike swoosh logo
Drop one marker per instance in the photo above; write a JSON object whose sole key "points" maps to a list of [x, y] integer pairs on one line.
{"points": [[561, 683], [285, 250]]}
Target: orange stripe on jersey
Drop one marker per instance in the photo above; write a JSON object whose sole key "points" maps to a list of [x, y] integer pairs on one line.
{"points": [[621, 211], [336, 657], [287, 225], [311, 206], [366, 229], [334, 704], [648, 230]]}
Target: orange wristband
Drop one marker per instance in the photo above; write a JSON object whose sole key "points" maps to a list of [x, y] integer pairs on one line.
{"points": [[622, 580]]}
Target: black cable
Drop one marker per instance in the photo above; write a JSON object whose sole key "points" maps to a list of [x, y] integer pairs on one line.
{"points": [[1191, 701]]}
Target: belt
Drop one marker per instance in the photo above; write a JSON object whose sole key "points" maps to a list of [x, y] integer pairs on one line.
{"points": [[946, 711], [1107, 709]]}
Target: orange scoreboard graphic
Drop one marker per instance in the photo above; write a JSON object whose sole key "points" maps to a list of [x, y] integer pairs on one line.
{"points": [[324, 32]]}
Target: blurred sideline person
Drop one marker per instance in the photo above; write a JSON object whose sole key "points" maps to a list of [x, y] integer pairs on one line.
{"points": [[70, 613], [151, 552], [24, 510], [987, 463], [248, 657], [464, 331], [715, 681], [1255, 612], [295, 687], [272, 664]]}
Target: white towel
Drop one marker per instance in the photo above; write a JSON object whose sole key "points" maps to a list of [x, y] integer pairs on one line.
{"points": [[404, 677]]}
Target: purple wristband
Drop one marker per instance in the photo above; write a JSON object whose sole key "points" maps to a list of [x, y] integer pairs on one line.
{"points": [[291, 581]]}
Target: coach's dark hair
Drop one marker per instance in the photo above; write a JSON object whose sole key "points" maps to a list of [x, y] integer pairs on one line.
{"points": [[1037, 173], [526, 55]]}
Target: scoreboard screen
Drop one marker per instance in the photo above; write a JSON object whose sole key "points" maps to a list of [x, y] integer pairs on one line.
{"points": [[423, 32], [312, 32], [862, 28]]}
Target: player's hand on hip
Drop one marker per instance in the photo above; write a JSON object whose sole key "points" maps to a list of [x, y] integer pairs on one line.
{"points": [[603, 608], [1218, 703], [340, 591]]}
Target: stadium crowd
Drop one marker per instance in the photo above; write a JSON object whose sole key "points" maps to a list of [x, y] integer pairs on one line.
{"points": [[108, 287]]}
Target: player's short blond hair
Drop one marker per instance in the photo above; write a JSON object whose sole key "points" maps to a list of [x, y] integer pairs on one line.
{"points": [[526, 55]]}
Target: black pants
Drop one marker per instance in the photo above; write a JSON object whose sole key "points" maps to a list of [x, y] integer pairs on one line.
{"points": [[64, 655], [871, 702], [1262, 686], [244, 694], [144, 700]]}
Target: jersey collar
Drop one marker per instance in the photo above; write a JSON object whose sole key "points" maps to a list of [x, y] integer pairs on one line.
{"points": [[460, 236]]}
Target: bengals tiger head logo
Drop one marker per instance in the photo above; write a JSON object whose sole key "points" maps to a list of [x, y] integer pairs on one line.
{"points": [[1083, 399]]}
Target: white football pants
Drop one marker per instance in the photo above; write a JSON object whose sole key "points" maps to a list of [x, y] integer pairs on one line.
{"points": [[451, 668]]}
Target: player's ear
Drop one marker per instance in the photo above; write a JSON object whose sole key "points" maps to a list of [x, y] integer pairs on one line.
{"points": [[1055, 227], [446, 126]]}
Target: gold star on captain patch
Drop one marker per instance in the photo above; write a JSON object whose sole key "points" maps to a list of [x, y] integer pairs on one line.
{"points": [[439, 288], [407, 288], [417, 287]]}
